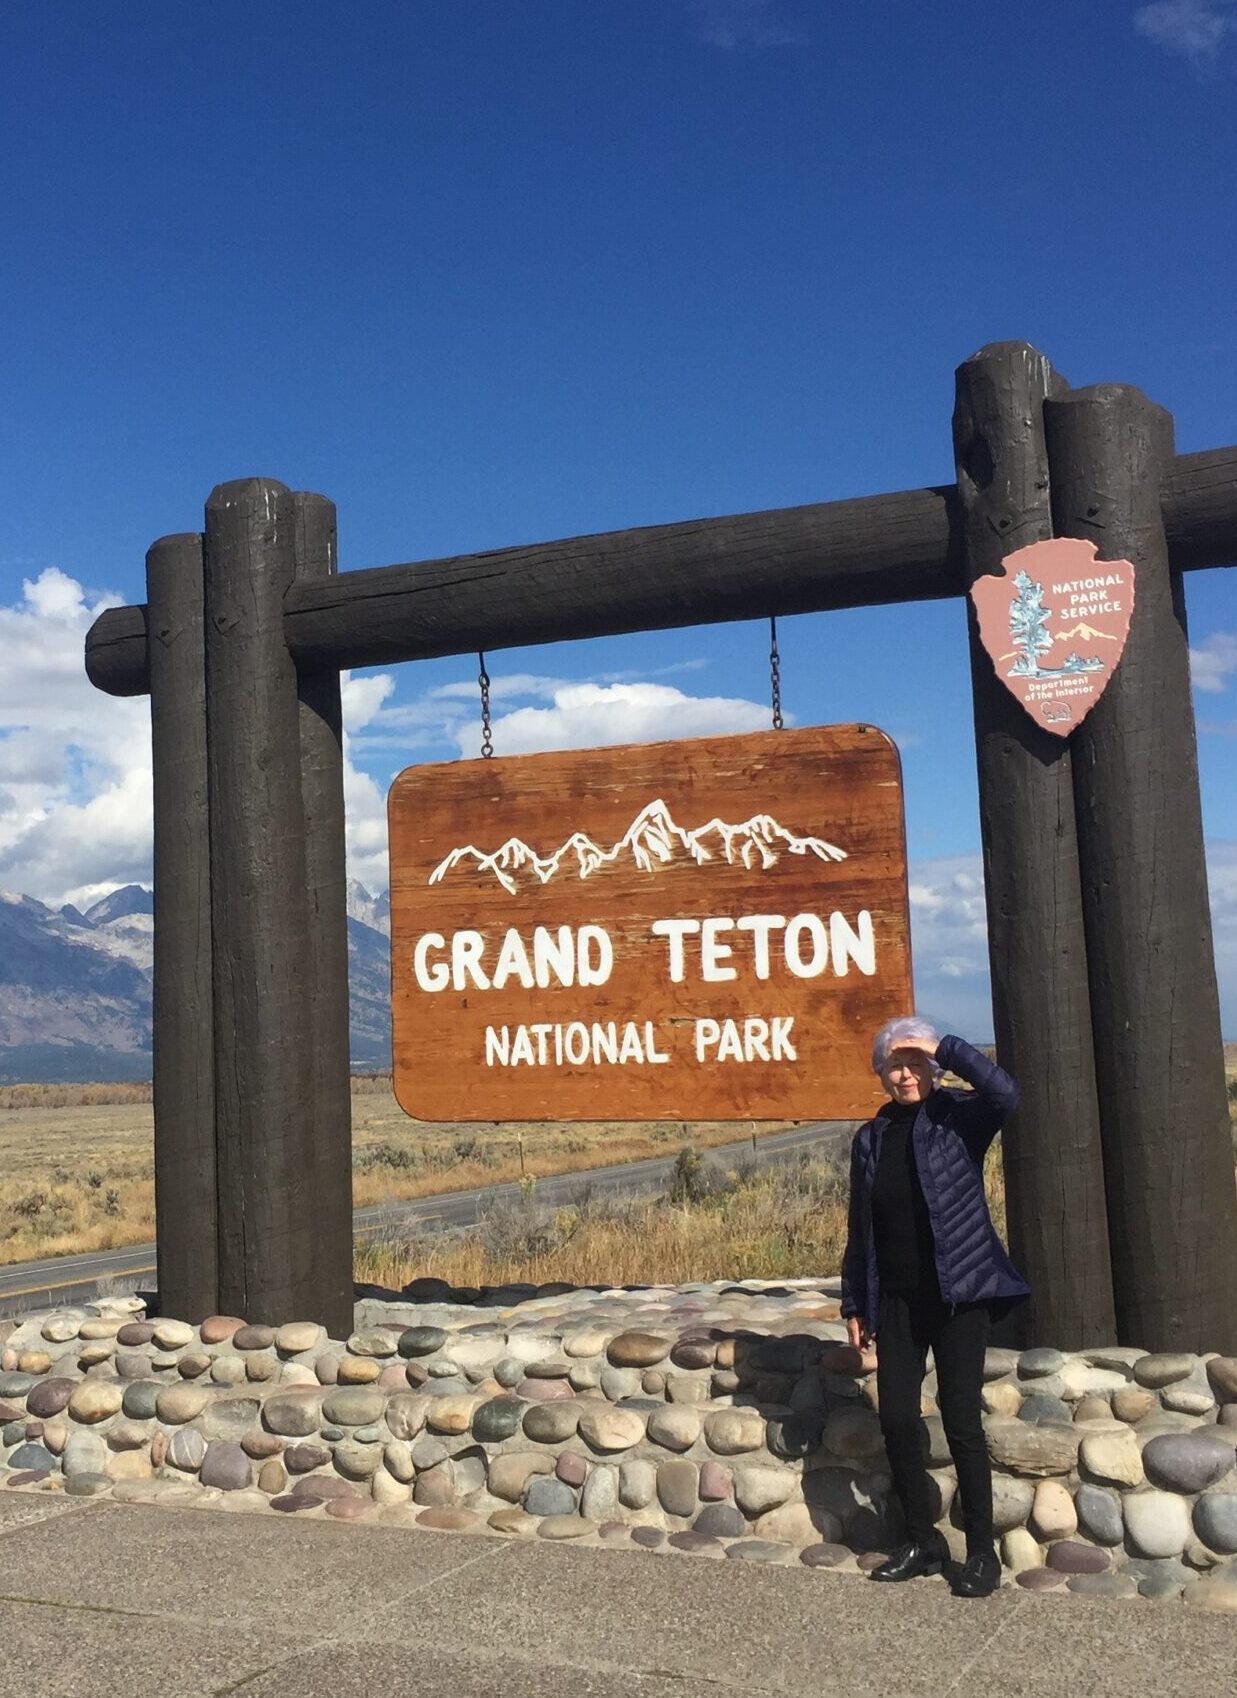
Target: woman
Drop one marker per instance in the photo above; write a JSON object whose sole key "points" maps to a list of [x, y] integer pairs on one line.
{"points": [[923, 1270]]}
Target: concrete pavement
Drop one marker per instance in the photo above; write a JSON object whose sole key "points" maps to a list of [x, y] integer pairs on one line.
{"points": [[155, 1602]]}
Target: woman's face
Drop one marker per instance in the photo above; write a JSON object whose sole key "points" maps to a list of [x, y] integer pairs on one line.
{"points": [[907, 1075]]}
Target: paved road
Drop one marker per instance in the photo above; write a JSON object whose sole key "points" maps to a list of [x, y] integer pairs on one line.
{"points": [[75, 1279]]}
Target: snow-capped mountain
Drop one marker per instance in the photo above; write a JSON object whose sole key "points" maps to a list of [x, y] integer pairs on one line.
{"points": [[122, 904], [372, 911], [70, 992], [653, 839], [75, 988]]}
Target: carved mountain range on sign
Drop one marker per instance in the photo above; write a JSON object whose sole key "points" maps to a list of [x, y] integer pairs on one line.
{"points": [[653, 839]]}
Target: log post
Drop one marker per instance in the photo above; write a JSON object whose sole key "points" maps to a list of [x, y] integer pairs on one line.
{"points": [[183, 1054], [1051, 1148], [328, 1142], [1168, 1162], [263, 1028]]}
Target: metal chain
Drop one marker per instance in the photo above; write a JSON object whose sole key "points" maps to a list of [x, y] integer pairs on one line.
{"points": [[487, 740], [775, 674]]}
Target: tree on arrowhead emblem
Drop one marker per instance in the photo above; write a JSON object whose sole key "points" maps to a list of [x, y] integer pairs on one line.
{"points": [[1028, 625]]}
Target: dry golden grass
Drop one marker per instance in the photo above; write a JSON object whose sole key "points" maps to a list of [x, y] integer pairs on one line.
{"points": [[394, 1158], [78, 1169], [776, 1224], [72, 1096], [782, 1222], [78, 1176]]}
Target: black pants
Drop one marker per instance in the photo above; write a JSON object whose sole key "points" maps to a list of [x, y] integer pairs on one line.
{"points": [[909, 1325]]}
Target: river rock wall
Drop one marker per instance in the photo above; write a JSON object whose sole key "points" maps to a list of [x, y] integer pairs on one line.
{"points": [[728, 1420]]}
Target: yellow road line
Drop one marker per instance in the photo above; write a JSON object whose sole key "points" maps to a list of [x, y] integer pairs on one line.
{"points": [[64, 1284]]}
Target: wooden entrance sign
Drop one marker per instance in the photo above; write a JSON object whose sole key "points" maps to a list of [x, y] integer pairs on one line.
{"points": [[703, 930]]}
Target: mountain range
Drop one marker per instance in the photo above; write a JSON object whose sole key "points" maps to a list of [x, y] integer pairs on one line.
{"points": [[75, 988]]}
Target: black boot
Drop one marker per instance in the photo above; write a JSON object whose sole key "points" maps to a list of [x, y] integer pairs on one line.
{"points": [[979, 1576], [914, 1558]]}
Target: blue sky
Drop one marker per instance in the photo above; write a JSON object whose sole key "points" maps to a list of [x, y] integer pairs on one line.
{"points": [[487, 272]]}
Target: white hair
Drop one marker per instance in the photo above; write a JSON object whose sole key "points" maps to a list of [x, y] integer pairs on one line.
{"points": [[896, 1034]]}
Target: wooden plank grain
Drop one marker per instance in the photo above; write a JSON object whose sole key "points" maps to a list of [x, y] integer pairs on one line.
{"points": [[262, 1008], [1051, 1151], [840, 554], [1168, 1165], [1198, 506], [615, 834], [186, 1202], [327, 1143]]}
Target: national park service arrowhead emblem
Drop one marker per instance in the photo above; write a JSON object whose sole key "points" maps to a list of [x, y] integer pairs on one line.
{"points": [[1055, 626]]}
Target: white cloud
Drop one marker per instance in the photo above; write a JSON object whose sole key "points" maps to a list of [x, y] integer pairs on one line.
{"points": [[588, 716], [75, 764], [52, 595], [550, 713], [949, 944], [365, 805], [949, 938], [743, 23], [508, 686], [543, 713], [504, 686], [1193, 29], [362, 698], [75, 779], [1212, 661], [696, 664], [365, 809], [416, 728]]}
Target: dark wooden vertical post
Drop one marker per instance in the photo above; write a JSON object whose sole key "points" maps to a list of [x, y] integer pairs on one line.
{"points": [[263, 1029], [328, 1157], [1168, 1161], [1051, 1148], [183, 1057]]}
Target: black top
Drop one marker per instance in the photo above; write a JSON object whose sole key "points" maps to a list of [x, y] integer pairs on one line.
{"points": [[901, 1229]]}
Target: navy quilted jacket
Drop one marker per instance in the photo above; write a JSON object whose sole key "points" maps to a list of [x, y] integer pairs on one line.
{"points": [[951, 1135]]}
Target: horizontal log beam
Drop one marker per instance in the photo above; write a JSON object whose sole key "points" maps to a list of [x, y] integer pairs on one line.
{"points": [[862, 553]]}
